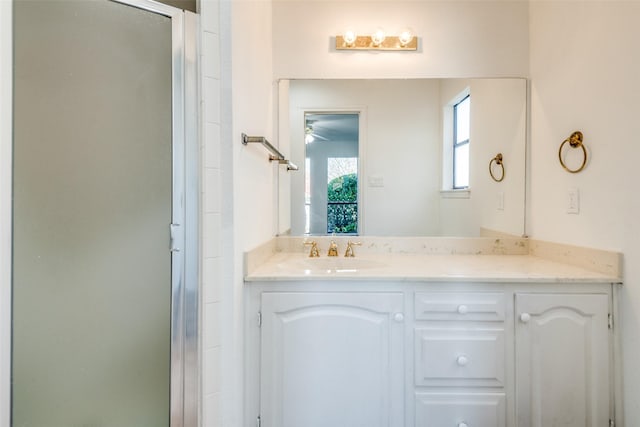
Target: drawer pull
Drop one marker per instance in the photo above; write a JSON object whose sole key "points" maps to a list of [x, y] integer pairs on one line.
{"points": [[398, 317], [463, 424], [463, 309], [525, 317], [462, 360]]}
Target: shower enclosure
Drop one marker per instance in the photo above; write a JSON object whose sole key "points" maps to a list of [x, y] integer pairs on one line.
{"points": [[105, 225]]}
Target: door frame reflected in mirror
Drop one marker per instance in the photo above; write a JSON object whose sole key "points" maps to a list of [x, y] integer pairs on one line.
{"points": [[330, 135], [289, 182]]}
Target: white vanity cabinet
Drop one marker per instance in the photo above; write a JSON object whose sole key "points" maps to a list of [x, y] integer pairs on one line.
{"points": [[332, 359], [428, 354]]}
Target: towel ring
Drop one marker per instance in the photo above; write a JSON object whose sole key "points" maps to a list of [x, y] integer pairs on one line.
{"points": [[575, 141], [498, 160]]}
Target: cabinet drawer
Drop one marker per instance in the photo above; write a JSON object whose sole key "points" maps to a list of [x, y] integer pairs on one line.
{"points": [[459, 306], [459, 410], [459, 357]]}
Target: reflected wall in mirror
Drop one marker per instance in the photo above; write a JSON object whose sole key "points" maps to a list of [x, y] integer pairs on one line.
{"points": [[408, 139]]}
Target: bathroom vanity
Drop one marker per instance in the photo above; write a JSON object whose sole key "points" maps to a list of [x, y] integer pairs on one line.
{"points": [[415, 339]]}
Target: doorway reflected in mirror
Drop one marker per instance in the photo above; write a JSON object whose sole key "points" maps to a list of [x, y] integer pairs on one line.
{"points": [[331, 173]]}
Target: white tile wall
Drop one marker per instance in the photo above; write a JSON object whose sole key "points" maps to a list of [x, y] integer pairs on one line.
{"points": [[210, 16], [211, 60], [211, 235], [211, 95], [211, 137], [212, 319], [212, 190], [211, 197], [211, 280], [211, 374]]}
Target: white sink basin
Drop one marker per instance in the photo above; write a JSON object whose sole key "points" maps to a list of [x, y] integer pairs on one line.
{"points": [[333, 265]]}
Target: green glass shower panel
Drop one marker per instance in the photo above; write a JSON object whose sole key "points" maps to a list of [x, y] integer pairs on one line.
{"points": [[92, 208]]}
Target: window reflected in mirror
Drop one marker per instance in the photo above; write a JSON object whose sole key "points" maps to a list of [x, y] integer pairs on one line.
{"points": [[461, 124]]}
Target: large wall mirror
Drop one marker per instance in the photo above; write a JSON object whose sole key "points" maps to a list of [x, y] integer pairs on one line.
{"points": [[403, 157]]}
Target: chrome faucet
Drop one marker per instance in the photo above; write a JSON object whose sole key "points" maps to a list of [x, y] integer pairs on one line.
{"points": [[314, 252], [333, 249], [349, 252]]}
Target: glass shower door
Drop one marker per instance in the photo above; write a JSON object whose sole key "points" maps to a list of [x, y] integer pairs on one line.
{"points": [[93, 197]]}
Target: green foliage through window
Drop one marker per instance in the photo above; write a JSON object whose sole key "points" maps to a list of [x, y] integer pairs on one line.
{"points": [[342, 204]]}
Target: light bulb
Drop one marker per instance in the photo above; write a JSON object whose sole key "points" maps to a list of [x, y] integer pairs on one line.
{"points": [[405, 37], [308, 135], [378, 37], [349, 37]]}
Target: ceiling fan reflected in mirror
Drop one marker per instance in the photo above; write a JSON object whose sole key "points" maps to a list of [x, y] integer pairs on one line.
{"points": [[310, 135], [330, 127]]}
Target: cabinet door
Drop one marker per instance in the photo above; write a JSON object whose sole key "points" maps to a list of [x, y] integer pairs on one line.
{"points": [[562, 360], [332, 359]]}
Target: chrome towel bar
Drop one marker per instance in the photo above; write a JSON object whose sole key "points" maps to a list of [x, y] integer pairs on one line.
{"points": [[275, 154]]}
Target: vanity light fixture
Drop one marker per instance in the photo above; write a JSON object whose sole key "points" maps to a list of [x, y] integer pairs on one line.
{"points": [[377, 41]]}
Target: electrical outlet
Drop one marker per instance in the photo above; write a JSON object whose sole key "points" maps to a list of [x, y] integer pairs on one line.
{"points": [[500, 201], [573, 201]]}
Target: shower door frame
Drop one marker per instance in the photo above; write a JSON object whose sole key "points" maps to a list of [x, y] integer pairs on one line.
{"points": [[6, 154], [184, 227]]}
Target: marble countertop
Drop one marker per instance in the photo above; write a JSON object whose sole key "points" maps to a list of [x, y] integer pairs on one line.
{"points": [[296, 266]]}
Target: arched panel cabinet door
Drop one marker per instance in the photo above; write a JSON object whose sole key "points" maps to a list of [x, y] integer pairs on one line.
{"points": [[562, 360], [332, 359]]}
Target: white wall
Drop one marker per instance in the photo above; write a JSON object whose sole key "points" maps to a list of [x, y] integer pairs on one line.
{"points": [[585, 68], [456, 38], [249, 180], [253, 97]]}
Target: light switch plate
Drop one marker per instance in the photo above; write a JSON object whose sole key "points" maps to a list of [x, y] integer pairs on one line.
{"points": [[500, 201], [573, 201], [376, 181]]}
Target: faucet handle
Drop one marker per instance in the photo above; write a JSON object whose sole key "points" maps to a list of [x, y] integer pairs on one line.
{"points": [[333, 249], [349, 252], [314, 252]]}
